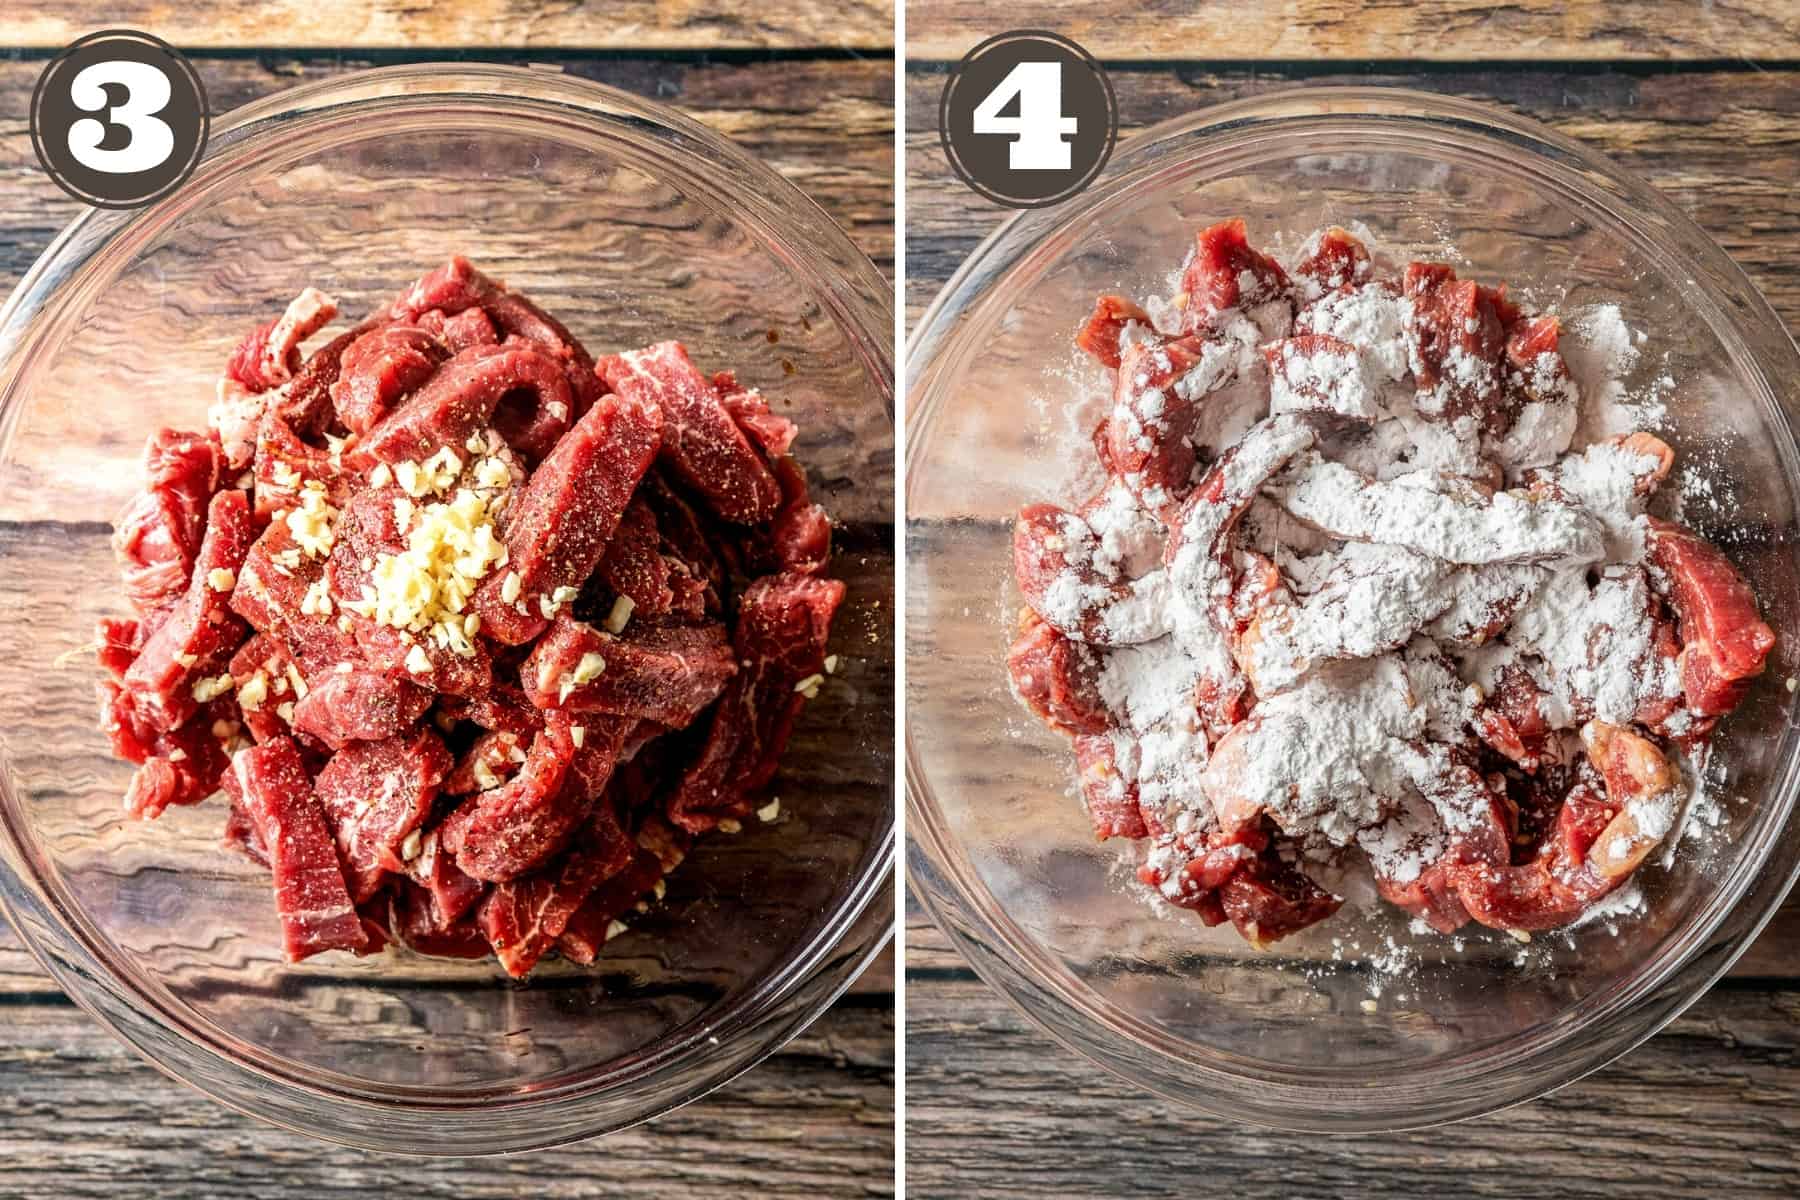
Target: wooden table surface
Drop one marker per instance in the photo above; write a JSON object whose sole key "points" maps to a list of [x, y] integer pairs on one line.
{"points": [[809, 89], [1704, 101]]}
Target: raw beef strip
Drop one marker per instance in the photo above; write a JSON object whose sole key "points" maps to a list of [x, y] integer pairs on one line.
{"points": [[1111, 798], [285, 464], [634, 566], [453, 893], [701, 442], [1724, 641], [1456, 340], [380, 369], [315, 907], [512, 830], [1056, 677], [378, 794], [1158, 396], [415, 923], [1225, 273], [186, 763], [800, 536], [120, 640], [458, 288], [158, 535], [770, 432], [666, 674], [1100, 334], [195, 643], [271, 594], [460, 400], [359, 705], [783, 623], [270, 355], [1337, 260], [587, 929], [523, 919], [558, 527]]}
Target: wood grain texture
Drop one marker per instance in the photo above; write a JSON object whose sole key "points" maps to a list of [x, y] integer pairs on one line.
{"points": [[995, 1109], [1238, 30], [81, 1117], [521, 24], [1723, 144]]}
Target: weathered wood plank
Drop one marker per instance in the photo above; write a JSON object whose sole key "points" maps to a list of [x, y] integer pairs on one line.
{"points": [[1239, 30], [522, 24], [81, 1116], [1722, 144], [827, 125], [995, 1109]]}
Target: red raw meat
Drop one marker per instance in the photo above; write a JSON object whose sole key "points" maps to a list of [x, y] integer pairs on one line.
{"points": [[701, 442], [197, 639], [306, 404], [800, 535], [523, 919], [772, 433], [1055, 677], [158, 536], [359, 705], [1724, 640], [379, 793], [1456, 339], [270, 595], [1150, 429], [1338, 260], [284, 464], [1099, 336], [634, 566], [185, 765], [586, 930], [510, 831], [666, 674], [460, 400], [315, 907], [1112, 800], [270, 355], [780, 636], [1214, 279], [558, 527], [415, 922], [380, 369], [120, 640]]}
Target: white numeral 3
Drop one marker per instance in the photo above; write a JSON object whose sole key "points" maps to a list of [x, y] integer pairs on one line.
{"points": [[147, 91]]}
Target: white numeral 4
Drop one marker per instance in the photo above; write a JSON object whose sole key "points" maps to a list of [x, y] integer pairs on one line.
{"points": [[1039, 129]]}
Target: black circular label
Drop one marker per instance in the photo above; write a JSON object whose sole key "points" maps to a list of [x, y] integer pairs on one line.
{"points": [[1028, 118], [119, 119]]}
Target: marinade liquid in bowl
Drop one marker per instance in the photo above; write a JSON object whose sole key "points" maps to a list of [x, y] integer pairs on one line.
{"points": [[1359, 1022], [635, 225]]}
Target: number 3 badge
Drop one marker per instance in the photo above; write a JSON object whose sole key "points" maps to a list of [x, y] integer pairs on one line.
{"points": [[119, 119], [1028, 118]]}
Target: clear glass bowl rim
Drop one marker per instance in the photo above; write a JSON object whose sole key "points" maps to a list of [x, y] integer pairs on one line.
{"points": [[1579, 1040], [691, 1060]]}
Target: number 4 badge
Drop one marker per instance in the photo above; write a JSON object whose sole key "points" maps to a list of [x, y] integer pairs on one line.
{"points": [[1028, 118]]}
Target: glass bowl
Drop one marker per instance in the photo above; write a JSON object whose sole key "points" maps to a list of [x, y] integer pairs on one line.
{"points": [[631, 222], [1324, 1032]]}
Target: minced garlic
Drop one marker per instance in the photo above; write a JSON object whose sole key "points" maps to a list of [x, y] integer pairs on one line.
{"points": [[311, 523], [450, 547], [620, 616], [221, 579], [214, 687]]}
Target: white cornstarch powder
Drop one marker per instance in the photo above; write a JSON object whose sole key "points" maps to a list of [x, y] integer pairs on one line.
{"points": [[1361, 564]]}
